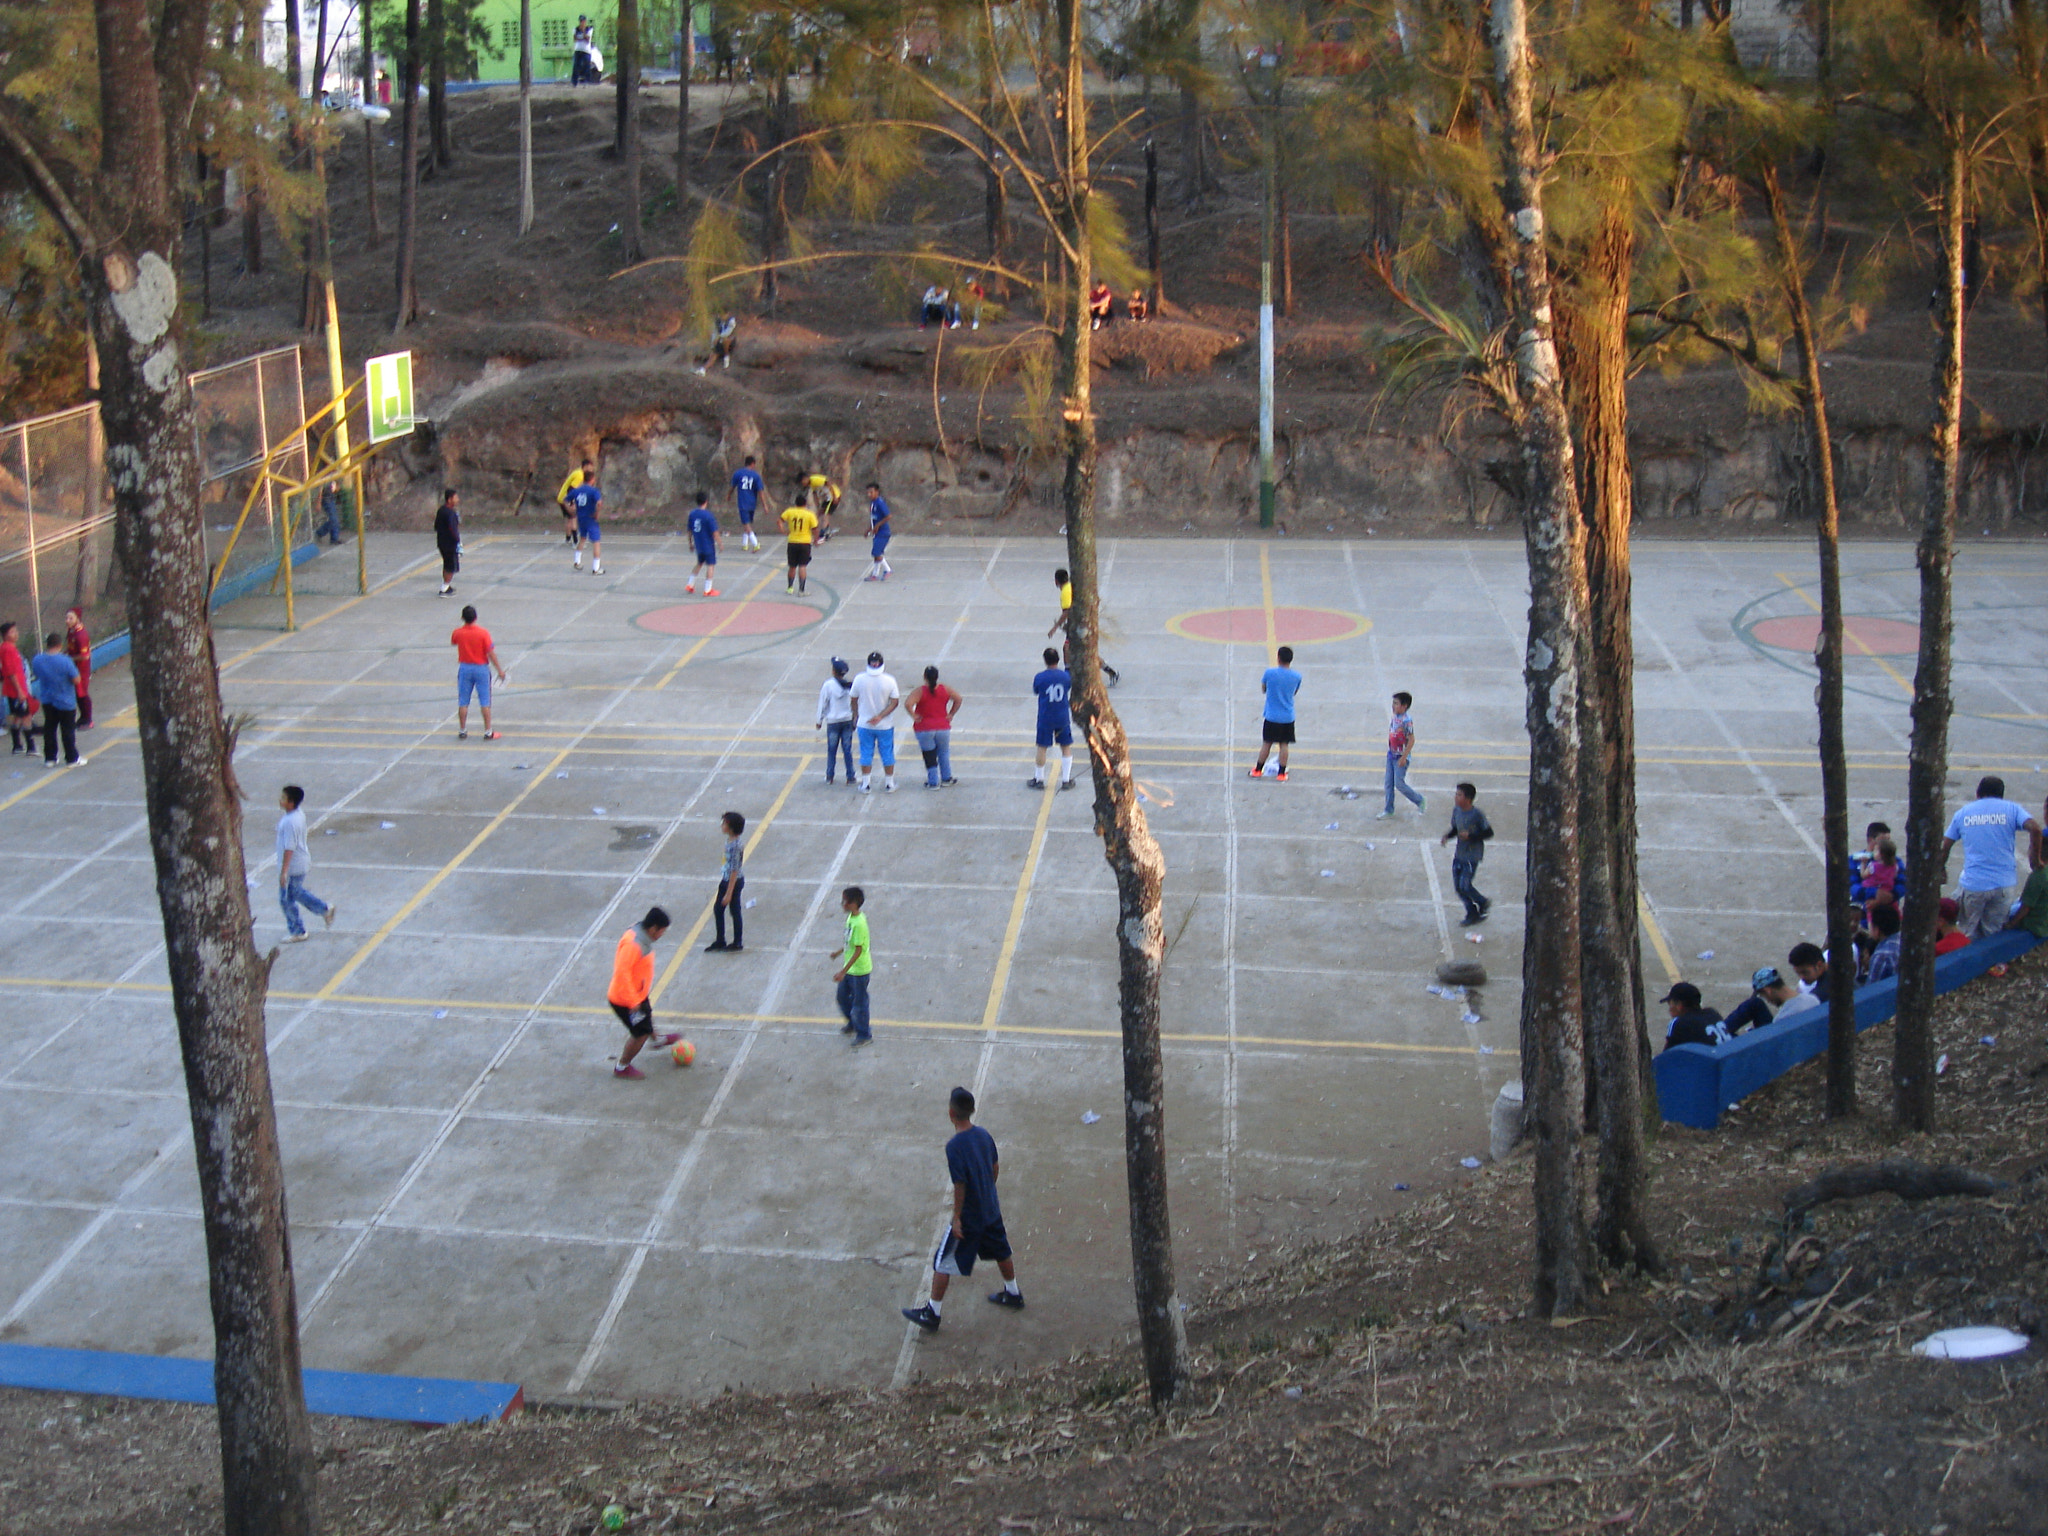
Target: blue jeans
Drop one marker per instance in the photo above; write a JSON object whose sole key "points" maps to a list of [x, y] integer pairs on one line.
{"points": [[1462, 876], [937, 747], [877, 739], [853, 1003], [838, 742], [294, 895], [1397, 778]]}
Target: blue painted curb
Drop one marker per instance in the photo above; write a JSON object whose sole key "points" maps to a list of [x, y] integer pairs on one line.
{"points": [[226, 592], [1697, 1084], [342, 1394]]}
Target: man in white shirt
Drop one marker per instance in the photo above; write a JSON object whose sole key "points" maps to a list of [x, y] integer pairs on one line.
{"points": [[294, 860], [875, 698], [835, 719]]}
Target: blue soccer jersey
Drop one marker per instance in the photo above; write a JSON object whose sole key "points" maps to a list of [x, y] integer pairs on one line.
{"points": [[1053, 687], [746, 490]]}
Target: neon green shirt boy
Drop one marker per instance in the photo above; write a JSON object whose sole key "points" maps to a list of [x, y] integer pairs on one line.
{"points": [[857, 933]]}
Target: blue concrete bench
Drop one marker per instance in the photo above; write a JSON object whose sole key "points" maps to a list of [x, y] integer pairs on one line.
{"points": [[1697, 1084], [170, 1379]]}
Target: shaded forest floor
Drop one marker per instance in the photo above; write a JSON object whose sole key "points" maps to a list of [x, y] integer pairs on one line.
{"points": [[1391, 1381]]}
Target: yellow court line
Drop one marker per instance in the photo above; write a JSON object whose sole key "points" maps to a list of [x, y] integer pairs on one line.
{"points": [[1649, 922], [1848, 634], [1015, 926], [732, 613], [949, 1026], [1266, 597], [683, 950], [370, 945]]}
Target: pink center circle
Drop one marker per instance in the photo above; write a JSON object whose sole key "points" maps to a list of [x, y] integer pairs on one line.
{"points": [[716, 616], [1861, 635], [1291, 626]]}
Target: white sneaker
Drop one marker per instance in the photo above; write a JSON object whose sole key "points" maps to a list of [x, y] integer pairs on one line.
{"points": [[889, 785], [332, 908], [297, 938], [1384, 816], [597, 567], [866, 788], [578, 561]]}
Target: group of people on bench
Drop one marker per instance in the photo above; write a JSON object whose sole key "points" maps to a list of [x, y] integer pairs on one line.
{"points": [[1984, 903]]}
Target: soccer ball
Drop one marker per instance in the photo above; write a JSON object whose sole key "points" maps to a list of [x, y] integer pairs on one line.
{"points": [[684, 1053]]}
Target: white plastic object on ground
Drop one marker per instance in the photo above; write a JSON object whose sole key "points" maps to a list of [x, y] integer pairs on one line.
{"points": [[1971, 1344], [1506, 1125]]}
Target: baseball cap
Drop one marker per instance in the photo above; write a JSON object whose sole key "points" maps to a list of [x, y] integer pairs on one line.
{"points": [[1682, 992], [874, 658], [839, 665], [1765, 976]]}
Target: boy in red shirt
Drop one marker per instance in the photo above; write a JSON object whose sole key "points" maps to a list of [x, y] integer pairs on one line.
{"points": [[475, 659], [21, 704], [78, 646]]}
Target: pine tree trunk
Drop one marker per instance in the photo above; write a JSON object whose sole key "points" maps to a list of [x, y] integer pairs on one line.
{"points": [[1551, 986], [375, 229], [1834, 755], [2027, 45], [1127, 842], [1194, 161], [437, 84], [629, 126], [218, 981], [525, 115], [774, 214], [409, 173], [1155, 268], [1927, 757], [689, 62]]}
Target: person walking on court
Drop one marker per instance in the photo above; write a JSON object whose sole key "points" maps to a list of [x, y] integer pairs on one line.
{"points": [[747, 486], [476, 658], [1400, 748], [931, 707], [78, 646], [1471, 829], [1059, 626], [56, 683], [294, 862], [21, 704], [584, 500], [1281, 683], [704, 541], [448, 539], [835, 718], [878, 531], [875, 699], [800, 523], [976, 1230], [1055, 688], [852, 978], [575, 478], [732, 880], [632, 988]]}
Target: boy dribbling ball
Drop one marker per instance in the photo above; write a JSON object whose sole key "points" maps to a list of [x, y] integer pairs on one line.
{"points": [[632, 981]]}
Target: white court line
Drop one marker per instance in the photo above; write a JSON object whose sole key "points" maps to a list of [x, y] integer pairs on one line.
{"points": [[54, 1270], [694, 1150]]}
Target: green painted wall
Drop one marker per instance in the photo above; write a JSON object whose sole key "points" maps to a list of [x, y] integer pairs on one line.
{"points": [[555, 20]]}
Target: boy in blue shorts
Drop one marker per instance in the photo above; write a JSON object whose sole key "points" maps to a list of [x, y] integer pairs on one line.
{"points": [[583, 501], [878, 527], [976, 1231], [1055, 689], [704, 537], [746, 496]]}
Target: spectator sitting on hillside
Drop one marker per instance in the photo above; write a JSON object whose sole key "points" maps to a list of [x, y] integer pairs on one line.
{"points": [[2032, 912], [1692, 1022], [1768, 992], [938, 308], [1947, 936], [1884, 960], [1100, 301], [1138, 309]]}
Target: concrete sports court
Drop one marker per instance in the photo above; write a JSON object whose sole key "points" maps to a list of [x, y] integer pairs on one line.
{"points": [[475, 1196]]}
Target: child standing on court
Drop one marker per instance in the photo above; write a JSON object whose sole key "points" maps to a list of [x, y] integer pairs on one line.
{"points": [[294, 861], [1471, 828], [878, 529], [746, 496], [1054, 687], [583, 501], [800, 523], [976, 1231], [1281, 683], [1400, 747], [852, 977], [632, 983], [731, 881], [704, 540], [475, 659]]}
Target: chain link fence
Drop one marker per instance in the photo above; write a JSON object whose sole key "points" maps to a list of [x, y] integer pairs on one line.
{"points": [[56, 521]]}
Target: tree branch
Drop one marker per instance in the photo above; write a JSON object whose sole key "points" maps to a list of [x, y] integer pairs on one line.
{"points": [[1894, 1176], [17, 144]]}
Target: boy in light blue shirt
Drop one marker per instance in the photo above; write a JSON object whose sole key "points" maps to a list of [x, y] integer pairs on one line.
{"points": [[1281, 684], [1986, 828]]}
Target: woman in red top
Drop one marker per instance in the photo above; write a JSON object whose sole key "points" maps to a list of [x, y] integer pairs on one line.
{"points": [[21, 704], [78, 646], [932, 706]]}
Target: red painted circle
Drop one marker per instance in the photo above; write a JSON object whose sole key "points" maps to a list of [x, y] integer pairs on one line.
{"points": [[1861, 635], [1291, 626], [716, 616]]}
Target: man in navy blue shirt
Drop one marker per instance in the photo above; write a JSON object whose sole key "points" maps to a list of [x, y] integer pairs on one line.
{"points": [[704, 538], [1281, 683], [878, 527], [583, 501], [976, 1231], [746, 496], [1055, 689]]}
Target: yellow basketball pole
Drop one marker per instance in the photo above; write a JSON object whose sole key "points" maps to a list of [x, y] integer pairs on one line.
{"points": [[362, 553]]}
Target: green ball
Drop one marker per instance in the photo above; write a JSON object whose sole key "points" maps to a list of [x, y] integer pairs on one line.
{"points": [[613, 1518]]}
